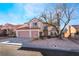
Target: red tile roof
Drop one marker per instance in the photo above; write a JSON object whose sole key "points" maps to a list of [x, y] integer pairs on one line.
{"points": [[24, 28]]}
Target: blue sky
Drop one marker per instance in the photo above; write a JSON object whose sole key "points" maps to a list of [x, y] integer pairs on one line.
{"points": [[19, 13]]}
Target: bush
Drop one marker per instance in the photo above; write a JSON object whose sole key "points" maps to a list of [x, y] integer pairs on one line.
{"points": [[4, 32], [42, 37], [48, 36]]}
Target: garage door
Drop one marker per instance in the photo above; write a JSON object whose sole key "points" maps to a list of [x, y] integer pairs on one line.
{"points": [[28, 33], [24, 34], [34, 34]]}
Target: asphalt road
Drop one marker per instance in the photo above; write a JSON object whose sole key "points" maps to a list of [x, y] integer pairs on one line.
{"points": [[13, 50]]}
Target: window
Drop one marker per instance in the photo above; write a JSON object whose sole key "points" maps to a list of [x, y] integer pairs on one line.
{"points": [[45, 28], [34, 24], [77, 33]]}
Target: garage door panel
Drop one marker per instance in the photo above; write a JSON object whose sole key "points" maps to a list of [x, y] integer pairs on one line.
{"points": [[23, 34]]}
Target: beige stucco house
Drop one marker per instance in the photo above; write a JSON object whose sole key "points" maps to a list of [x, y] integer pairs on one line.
{"points": [[33, 28]]}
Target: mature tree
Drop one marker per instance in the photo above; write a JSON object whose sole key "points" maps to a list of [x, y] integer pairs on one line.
{"points": [[62, 14], [66, 16]]}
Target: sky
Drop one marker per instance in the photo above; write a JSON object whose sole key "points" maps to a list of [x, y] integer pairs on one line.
{"points": [[19, 13]]}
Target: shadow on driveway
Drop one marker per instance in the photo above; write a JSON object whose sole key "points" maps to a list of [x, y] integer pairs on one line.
{"points": [[51, 52]]}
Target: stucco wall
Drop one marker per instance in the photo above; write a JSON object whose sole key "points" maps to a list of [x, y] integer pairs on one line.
{"points": [[39, 23], [70, 30]]}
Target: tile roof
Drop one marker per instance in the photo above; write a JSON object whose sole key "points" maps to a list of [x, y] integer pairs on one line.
{"points": [[8, 24], [24, 28]]}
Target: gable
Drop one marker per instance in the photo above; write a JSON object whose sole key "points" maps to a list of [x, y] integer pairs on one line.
{"points": [[35, 20]]}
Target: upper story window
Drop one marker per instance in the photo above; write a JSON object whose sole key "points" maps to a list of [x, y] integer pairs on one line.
{"points": [[34, 24], [45, 27]]}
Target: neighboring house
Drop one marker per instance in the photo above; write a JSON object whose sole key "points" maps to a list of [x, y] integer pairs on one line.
{"points": [[7, 26], [72, 30], [0, 27], [10, 28], [16, 26], [76, 27], [34, 28]]}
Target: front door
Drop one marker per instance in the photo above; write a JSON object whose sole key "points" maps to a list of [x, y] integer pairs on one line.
{"points": [[45, 33]]}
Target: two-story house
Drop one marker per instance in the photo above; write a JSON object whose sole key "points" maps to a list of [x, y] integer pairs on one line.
{"points": [[33, 29]]}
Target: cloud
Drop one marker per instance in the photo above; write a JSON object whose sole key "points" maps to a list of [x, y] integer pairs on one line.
{"points": [[32, 10], [9, 18], [21, 12]]}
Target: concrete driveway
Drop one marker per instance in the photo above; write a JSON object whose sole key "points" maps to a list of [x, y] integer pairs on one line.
{"points": [[53, 43]]}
